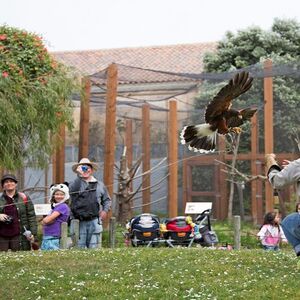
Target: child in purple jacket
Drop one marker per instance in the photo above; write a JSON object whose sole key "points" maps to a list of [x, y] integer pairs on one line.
{"points": [[59, 194]]}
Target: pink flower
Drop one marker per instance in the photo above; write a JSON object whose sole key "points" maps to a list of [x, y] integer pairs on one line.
{"points": [[4, 74], [3, 37]]}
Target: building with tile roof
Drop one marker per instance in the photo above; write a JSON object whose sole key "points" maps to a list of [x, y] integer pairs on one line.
{"points": [[184, 58]]}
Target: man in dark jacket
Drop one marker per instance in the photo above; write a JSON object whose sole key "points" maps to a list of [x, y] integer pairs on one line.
{"points": [[90, 203], [16, 215]]}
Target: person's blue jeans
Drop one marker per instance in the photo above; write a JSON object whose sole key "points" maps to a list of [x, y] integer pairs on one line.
{"points": [[89, 233], [291, 228], [50, 243]]}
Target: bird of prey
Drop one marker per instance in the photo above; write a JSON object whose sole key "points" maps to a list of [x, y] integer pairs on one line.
{"points": [[220, 118]]}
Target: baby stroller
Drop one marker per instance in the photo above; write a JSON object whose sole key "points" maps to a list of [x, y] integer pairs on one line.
{"points": [[143, 230], [178, 232], [204, 235]]}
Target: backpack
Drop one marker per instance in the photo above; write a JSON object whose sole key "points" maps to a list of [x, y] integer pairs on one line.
{"points": [[84, 205], [24, 197]]}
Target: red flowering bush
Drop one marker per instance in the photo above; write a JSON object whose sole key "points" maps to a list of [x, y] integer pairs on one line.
{"points": [[25, 56], [35, 99]]}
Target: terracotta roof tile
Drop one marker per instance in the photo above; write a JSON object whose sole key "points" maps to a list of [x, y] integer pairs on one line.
{"points": [[184, 58]]}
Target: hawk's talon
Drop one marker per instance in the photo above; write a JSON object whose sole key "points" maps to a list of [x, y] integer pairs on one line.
{"points": [[236, 130]]}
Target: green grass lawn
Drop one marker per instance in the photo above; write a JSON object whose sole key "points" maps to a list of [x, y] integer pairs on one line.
{"points": [[150, 273]]}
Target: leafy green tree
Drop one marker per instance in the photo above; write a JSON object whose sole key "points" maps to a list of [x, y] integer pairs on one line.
{"points": [[34, 98], [252, 47]]}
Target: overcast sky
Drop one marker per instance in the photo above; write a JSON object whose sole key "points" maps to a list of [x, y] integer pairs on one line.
{"points": [[100, 24]]}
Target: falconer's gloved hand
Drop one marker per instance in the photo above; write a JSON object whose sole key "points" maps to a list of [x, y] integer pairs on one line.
{"points": [[270, 161]]}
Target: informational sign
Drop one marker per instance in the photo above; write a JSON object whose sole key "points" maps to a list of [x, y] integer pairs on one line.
{"points": [[42, 209], [197, 207]]}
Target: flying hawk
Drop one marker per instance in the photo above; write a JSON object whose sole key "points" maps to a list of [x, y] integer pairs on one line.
{"points": [[219, 117]]}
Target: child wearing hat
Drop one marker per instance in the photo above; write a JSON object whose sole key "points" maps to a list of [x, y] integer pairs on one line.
{"points": [[59, 194]]}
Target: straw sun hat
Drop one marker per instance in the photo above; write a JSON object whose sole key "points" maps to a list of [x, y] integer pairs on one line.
{"points": [[85, 161]]}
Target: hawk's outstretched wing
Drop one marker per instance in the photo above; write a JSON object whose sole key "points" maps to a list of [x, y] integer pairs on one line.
{"points": [[240, 84], [219, 117], [246, 114]]}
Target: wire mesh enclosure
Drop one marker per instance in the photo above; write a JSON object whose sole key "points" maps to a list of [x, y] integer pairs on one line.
{"points": [[142, 123]]}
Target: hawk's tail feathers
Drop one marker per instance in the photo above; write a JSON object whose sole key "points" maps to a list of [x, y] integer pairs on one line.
{"points": [[199, 137]]}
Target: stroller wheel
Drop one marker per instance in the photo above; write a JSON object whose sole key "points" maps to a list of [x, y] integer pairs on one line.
{"points": [[133, 244], [135, 241]]}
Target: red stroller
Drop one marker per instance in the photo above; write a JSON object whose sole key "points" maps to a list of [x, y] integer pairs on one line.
{"points": [[178, 232]]}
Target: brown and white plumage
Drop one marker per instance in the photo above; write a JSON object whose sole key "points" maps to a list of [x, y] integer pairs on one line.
{"points": [[219, 117]]}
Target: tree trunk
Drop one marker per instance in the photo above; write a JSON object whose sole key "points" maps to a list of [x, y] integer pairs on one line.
{"points": [[239, 186], [124, 204], [230, 200]]}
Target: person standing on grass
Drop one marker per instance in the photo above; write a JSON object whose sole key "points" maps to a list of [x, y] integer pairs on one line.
{"points": [[271, 233], [59, 194], [90, 203], [280, 178], [17, 216]]}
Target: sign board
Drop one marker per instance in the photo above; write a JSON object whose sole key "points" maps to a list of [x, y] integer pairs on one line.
{"points": [[197, 207], [42, 209]]}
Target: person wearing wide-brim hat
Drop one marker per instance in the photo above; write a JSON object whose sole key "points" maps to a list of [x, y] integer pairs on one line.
{"points": [[90, 203], [280, 178], [17, 215], [85, 161]]}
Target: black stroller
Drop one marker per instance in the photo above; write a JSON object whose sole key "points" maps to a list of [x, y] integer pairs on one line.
{"points": [[203, 233], [143, 230]]}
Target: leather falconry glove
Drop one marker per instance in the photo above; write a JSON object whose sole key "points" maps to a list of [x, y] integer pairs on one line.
{"points": [[270, 161]]}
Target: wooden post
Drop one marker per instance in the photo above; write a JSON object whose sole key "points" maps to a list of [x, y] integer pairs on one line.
{"points": [[259, 195], [146, 157], [83, 150], [112, 232], [21, 178], [75, 236], [254, 151], [268, 124], [64, 236], [173, 155], [184, 182], [237, 232], [110, 126], [129, 146], [100, 241], [60, 155]]}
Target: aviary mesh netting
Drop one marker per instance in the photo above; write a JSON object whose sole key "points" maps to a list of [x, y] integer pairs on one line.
{"points": [[137, 86]]}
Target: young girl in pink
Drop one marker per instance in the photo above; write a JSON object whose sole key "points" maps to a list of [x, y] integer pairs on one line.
{"points": [[271, 233]]}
